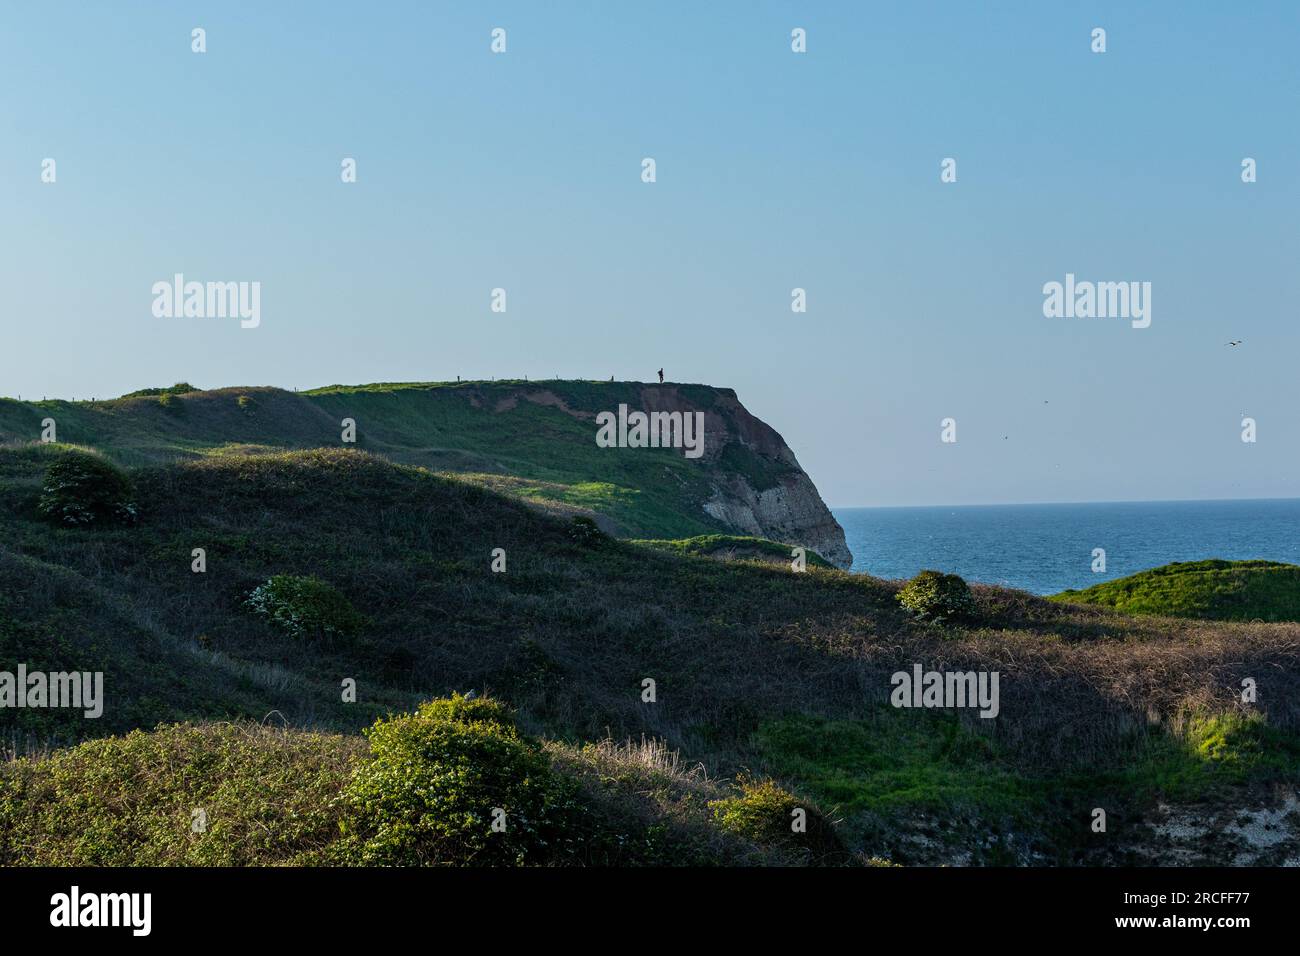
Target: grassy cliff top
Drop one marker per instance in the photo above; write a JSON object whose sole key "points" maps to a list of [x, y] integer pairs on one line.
{"points": [[534, 440], [1210, 590]]}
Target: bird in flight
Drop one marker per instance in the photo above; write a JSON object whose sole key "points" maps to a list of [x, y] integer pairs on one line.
{"points": [[1238, 342]]}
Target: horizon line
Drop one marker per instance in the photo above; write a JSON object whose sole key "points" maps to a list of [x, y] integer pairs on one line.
{"points": [[1030, 504]]}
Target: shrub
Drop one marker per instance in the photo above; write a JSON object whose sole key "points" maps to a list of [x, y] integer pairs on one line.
{"points": [[585, 533], [460, 709], [180, 388], [429, 793], [937, 595], [81, 488], [305, 607], [766, 813]]}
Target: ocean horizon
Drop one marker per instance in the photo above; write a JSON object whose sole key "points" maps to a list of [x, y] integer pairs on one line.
{"points": [[1047, 548]]}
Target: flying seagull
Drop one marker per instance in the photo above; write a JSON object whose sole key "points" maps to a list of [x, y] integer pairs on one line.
{"points": [[1238, 342]]}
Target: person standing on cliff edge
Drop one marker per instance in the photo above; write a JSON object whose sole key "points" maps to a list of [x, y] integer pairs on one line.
{"points": [[661, 376]]}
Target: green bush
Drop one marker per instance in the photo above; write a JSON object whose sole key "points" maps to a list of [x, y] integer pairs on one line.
{"points": [[180, 388], [81, 488], [460, 709], [585, 533], [305, 607], [429, 793], [766, 813], [937, 595]]}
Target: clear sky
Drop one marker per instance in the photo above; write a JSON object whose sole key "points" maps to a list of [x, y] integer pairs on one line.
{"points": [[775, 170]]}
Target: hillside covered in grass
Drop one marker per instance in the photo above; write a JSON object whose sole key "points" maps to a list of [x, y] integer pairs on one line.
{"points": [[670, 702], [1208, 590], [244, 794], [532, 441]]}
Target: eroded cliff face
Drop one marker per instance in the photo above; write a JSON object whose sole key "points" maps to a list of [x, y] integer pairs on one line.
{"points": [[757, 483], [756, 486], [791, 513]]}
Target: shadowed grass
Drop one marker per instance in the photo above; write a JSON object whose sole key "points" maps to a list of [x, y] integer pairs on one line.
{"points": [[755, 667]]}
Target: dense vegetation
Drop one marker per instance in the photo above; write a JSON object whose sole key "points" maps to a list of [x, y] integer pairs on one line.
{"points": [[1208, 590], [634, 702], [455, 783]]}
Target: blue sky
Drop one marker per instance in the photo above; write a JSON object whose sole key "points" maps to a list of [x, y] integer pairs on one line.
{"points": [[775, 171]]}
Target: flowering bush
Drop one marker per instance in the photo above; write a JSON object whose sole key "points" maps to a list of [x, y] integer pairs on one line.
{"points": [[81, 488], [305, 607]]}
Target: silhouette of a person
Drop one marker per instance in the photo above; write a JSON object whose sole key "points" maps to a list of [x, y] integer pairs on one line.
{"points": [[661, 376]]}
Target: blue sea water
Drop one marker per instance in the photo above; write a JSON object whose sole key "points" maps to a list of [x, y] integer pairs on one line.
{"points": [[1048, 548]]}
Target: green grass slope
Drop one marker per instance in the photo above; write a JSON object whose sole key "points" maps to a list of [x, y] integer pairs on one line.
{"points": [[1209, 590], [732, 547], [244, 794], [535, 440], [757, 671]]}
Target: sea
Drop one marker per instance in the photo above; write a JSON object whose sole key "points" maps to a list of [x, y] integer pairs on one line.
{"points": [[1046, 548]]}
